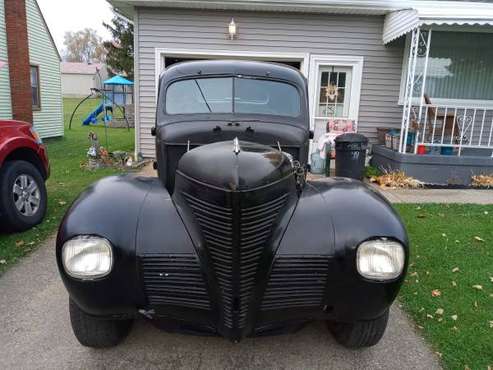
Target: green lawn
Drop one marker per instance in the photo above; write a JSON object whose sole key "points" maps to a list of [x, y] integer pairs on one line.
{"points": [[452, 270], [67, 179]]}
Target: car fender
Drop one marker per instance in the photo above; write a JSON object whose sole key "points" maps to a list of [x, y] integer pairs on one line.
{"points": [[332, 218], [110, 208]]}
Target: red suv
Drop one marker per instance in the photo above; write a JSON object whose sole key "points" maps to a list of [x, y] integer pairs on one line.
{"points": [[24, 168]]}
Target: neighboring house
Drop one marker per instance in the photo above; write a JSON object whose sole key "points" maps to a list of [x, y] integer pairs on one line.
{"points": [[354, 53], [30, 82], [79, 78]]}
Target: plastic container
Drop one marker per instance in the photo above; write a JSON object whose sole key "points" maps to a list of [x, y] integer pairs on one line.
{"points": [[351, 155]]}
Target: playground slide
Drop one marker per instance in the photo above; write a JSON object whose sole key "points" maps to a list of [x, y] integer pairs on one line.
{"points": [[92, 118]]}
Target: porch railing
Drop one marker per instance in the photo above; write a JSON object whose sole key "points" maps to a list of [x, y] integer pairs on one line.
{"points": [[452, 128]]}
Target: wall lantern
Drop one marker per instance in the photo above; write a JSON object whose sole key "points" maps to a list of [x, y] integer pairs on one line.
{"points": [[232, 29]]}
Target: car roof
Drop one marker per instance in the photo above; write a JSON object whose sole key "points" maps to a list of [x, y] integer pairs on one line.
{"points": [[231, 68]]}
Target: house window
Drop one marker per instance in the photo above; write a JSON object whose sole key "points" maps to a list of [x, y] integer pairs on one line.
{"points": [[460, 67], [35, 88]]}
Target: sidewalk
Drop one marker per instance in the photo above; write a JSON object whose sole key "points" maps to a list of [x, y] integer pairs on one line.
{"points": [[463, 196]]}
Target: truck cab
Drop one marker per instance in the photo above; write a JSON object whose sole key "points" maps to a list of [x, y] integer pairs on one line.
{"points": [[205, 102]]}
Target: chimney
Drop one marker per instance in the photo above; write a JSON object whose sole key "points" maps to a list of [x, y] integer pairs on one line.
{"points": [[19, 66]]}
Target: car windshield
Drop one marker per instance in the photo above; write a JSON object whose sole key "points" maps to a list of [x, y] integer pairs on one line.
{"points": [[248, 96]]}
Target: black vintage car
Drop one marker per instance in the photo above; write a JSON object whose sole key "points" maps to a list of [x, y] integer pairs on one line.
{"points": [[231, 239]]}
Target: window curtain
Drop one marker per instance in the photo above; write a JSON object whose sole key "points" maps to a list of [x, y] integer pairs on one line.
{"points": [[460, 66]]}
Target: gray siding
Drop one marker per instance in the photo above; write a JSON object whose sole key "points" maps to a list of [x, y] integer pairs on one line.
{"points": [[273, 32], [5, 104], [42, 52]]}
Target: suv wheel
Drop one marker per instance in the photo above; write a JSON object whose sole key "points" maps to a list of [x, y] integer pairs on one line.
{"points": [[95, 332], [22, 195], [360, 333]]}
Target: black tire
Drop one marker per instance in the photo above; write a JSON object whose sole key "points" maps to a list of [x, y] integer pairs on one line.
{"points": [[14, 219], [95, 332], [360, 333]]}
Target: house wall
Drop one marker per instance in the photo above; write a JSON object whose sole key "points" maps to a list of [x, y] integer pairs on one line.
{"points": [[77, 85], [334, 35], [5, 104], [48, 121]]}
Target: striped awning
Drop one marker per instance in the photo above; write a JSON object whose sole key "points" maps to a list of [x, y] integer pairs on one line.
{"points": [[399, 23]]}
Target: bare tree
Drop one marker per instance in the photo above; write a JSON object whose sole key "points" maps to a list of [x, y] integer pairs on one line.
{"points": [[84, 46]]}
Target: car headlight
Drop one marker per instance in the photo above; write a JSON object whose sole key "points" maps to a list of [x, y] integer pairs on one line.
{"points": [[380, 259], [87, 257]]}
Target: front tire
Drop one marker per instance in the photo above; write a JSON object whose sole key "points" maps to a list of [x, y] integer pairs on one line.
{"points": [[360, 333], [95, 332], [23, 195]]}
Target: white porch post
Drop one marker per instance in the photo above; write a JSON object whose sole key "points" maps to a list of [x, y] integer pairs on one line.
{"points": [[416, 81], [408, 92], [426, 43]]}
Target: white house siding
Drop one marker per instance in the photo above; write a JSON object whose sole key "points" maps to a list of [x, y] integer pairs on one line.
{"points": [[42, 52], [5, 104], [344, 35], [77, 85]]}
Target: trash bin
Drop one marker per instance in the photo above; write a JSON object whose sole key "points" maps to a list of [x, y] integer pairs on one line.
{"points": [[351, 155]]}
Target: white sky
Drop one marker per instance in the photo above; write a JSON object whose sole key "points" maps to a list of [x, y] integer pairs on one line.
{"points": [[75, 15]]}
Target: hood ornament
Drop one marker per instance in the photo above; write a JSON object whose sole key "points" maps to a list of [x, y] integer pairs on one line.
{"points": [[236, 146]]}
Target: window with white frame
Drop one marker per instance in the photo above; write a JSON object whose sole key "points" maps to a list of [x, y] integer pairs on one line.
{"points": [[460, 67]]}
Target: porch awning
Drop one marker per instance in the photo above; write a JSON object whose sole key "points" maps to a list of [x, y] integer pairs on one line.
{"points": [[400, 22]]}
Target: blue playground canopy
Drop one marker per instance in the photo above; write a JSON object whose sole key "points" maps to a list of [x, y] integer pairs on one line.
{"points": [[118, 80]]}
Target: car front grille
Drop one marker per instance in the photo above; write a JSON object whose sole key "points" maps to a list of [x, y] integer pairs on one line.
{"points": [[296, 282], [174, 280], [255, 230], [239, 244]]}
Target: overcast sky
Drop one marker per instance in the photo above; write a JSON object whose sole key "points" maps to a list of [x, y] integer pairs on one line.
{"points": [[74, 15]]}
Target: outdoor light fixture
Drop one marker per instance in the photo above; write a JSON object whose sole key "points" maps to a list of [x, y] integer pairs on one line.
{"points": [[232, 29]]}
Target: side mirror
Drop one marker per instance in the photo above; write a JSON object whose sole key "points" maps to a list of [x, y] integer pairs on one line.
{"points": [[153, 131], [312, 135]]}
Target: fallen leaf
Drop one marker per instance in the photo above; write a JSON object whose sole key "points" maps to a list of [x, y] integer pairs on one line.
{"points": [[491, 279], [477, 238], [3, 262], [455, 328], [429, 316], [491, 324], [440, 319], [415, 273], [62, 203], [439, 354], [436, 293], [420, 327], [478, 287], [444, 235], [421, 215], [455, 269], [454, 317], [439, 311], [476, 304], [19, 243], [466, 367], [457, 241]]}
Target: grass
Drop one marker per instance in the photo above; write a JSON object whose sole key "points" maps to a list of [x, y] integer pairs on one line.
{"points": [[67, 179], [452, 270]]}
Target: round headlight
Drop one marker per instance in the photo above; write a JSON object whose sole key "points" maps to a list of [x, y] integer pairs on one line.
{"points": [[87, 257], [380, 259]]}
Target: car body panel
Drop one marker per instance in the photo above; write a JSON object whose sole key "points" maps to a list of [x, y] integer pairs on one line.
{"points": [[15, 135]]}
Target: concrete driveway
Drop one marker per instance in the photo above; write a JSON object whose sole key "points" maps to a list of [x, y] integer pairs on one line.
{"points": [[35, 333]]}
